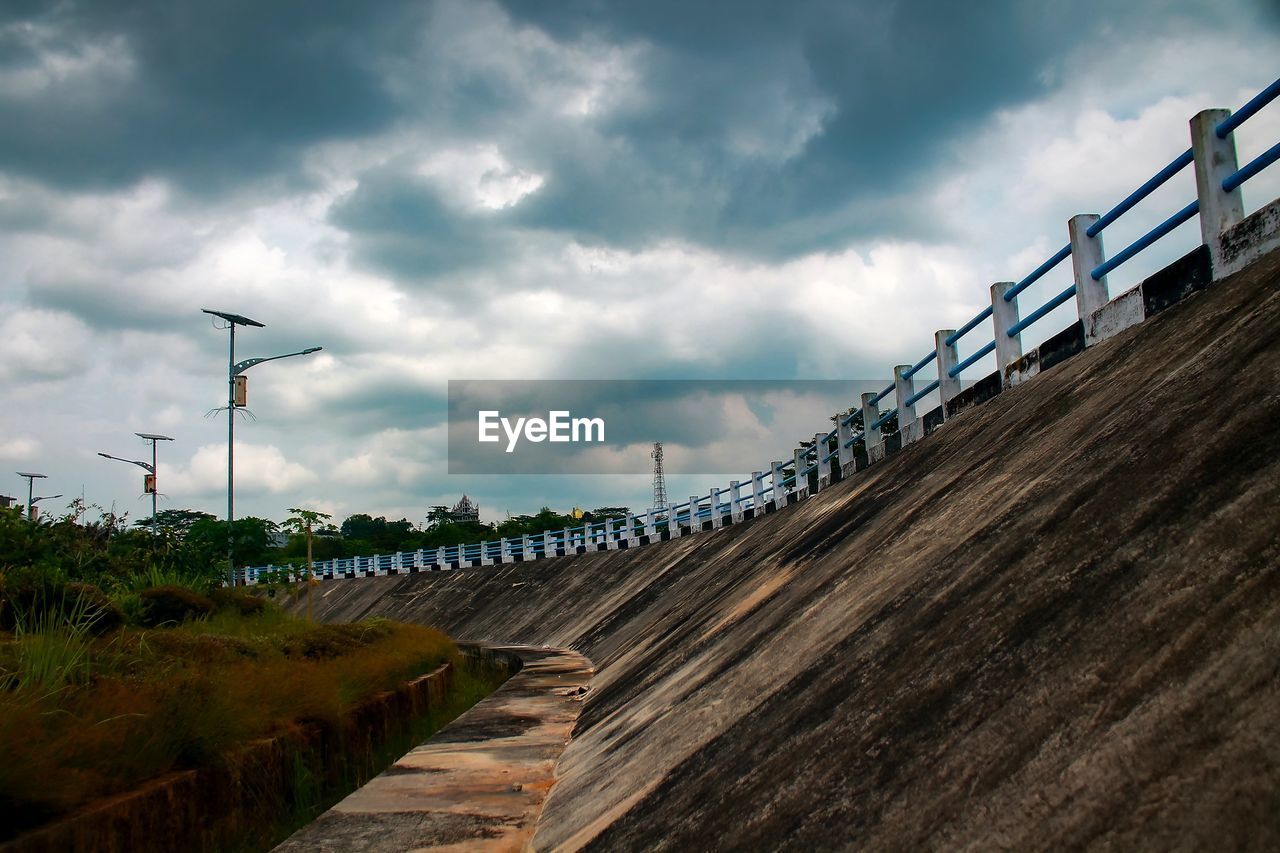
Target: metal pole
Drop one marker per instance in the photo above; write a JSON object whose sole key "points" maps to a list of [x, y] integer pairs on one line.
{"points": [[31, 491], [155, 487], [231, 437]]}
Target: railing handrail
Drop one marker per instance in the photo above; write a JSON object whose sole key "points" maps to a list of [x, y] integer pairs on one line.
{"points": [[647, 522]]}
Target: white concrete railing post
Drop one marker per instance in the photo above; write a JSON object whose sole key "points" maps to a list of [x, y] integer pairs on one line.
{"points": [[502, 552], [757, 493], [673, 526], [820, 459], [651, 523], [779, 490], [870, 434], [1086, 254], [844, 435], [440, 561], [1004, 316], [904, 388], [1215, 159], [948, 357], [526, 545], [799, 461], [695, 523], [548, 545], [735, 502], [714, 506]]}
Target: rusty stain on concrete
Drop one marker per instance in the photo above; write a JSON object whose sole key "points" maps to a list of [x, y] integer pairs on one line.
{"points": [[480, 783]]}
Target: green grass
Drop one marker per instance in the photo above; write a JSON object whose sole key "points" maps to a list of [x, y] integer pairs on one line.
{"points": [[82, 717]]}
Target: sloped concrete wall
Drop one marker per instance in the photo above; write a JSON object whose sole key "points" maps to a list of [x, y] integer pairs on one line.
{"points": [[1054, 622]]}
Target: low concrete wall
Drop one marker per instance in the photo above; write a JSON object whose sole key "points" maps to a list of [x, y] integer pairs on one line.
{"points": [[479, 783], [208, 809]]}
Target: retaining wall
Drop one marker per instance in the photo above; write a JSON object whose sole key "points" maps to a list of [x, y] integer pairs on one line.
{"points": [[1051, 623]]}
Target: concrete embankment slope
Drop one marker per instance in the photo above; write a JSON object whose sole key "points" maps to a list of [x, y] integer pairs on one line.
{"points": [[1054, 622]]}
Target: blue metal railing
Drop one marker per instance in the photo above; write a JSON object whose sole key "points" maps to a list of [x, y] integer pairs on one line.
{"points": [[1044, 309], [1145, 240], [987, 350], [550, 542], [884, 418], [1036, 274], [1253, 167], [1180, 162], [1247, 112], [919, 365], [968, 327], [924, 392]]}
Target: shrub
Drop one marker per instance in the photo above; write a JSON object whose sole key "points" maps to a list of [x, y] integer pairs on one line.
{"points": [[173, 605], [229, 599], [100, 612], [32, 595]]}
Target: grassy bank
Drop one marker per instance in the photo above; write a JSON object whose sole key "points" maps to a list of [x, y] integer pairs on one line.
{"points": [[85, 713]]}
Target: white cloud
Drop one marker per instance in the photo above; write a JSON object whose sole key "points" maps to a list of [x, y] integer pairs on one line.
{"points": [[19, 447], [258, 469], [37, 345]]}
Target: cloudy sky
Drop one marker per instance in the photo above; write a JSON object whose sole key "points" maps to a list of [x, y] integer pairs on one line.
{"points": [[541, 190]]}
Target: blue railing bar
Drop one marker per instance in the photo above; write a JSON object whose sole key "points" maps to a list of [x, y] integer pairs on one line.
{"points": [[1253, 167], [1062, 255], [1181, 162], [884, 392], [919, 365], [855, 439], [832, 455], [1041, 311], [853, 417], [987, 350], [969, 326], [1246, 112], [1145, 240], [883, 418], [932, 386]]}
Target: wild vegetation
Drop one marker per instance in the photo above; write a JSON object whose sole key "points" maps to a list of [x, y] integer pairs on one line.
{"points": [[122, 659]]}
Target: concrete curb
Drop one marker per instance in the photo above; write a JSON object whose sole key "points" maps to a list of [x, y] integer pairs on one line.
{"points": [[480, 782]]}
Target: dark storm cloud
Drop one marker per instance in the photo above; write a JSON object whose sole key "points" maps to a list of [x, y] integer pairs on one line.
{"points": [[754, 127], [210, 94], [898, 81], [405, 229]]}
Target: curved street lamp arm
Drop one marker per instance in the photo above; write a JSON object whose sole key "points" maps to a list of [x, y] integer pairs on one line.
{"points": [[250, 362], [146, 466]]}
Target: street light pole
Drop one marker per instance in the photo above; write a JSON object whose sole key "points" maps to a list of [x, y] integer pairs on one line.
{"points": [[231, 454], [31, 480], [234, 370], [151, 469]]}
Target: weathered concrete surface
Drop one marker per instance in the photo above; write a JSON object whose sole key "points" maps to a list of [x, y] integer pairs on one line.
{"points": [[479, 783], [1055, 622]]}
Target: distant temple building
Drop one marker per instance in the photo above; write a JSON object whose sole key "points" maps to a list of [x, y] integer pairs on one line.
{"points": [[464, 510]]}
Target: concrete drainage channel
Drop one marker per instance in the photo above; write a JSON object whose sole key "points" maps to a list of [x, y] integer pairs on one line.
{"points": [[480, 782]]}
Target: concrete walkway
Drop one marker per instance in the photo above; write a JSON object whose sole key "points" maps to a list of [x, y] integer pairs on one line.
{"points": [[478, 784]]}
